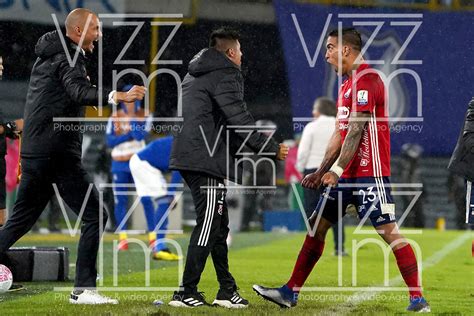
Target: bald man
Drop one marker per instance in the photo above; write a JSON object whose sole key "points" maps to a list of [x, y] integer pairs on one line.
{"points": [[51, 150]]}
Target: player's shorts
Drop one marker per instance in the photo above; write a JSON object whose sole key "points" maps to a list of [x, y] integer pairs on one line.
{"points": [[3, 189], [149, 181], [371, 196], [469, 203]]}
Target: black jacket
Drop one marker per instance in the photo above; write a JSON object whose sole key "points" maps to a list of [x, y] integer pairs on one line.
{"points": [[462, 160], [56, 90], [213, 100]]}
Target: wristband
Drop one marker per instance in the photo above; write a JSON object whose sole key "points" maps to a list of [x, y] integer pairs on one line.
{"points": [[337, 170], [111, 98]]}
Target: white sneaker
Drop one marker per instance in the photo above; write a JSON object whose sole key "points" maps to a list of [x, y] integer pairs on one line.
{"points": [[91, 297]]}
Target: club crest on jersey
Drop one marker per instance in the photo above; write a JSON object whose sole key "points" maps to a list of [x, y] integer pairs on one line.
{"points": [[362, 97], [347, 94]]}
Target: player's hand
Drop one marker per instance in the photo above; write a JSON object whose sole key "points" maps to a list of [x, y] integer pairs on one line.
{"points": [[283, 152], [330, 179], [312, 181], [135, 93]]}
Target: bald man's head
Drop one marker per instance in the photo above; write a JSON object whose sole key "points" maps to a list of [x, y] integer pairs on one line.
{"points": [[83, 24]]}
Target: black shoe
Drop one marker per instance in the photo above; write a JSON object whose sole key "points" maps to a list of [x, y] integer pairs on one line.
{"points": [[182, 299], [16, 287], [230, 299]]}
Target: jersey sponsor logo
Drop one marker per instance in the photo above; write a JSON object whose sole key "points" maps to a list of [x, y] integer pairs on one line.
{"points": [[343, 112], [343, 126], [364, 149], [347, 94], [362, 97]]}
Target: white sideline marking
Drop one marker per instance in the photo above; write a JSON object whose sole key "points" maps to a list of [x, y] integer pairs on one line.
{"points": [[359, 297]]}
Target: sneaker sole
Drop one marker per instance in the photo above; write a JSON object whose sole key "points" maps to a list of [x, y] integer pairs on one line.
{"points": [[178, 304], [228, 304], [425, 309], [181, 304], [268, 298]]}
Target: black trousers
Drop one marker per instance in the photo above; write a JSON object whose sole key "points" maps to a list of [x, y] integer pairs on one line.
{"points": [[210, 233], [36, 189], [311, 199]]}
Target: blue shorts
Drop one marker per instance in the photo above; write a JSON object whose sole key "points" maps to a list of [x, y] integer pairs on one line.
{"points": [[371, 196]]}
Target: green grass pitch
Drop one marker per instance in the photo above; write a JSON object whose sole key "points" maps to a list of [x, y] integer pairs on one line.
{"points": [[267, 259]]}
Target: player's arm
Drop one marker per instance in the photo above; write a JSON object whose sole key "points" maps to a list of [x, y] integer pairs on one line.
{"points": [[333, 149], [357, 122], [81, 91]]}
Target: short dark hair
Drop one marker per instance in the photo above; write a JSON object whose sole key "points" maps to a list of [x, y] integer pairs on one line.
{"points": [[221, 37], [325, 106], [350, 36]]}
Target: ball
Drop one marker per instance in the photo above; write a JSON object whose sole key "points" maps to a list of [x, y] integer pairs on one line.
{"points": [[6, 278]]}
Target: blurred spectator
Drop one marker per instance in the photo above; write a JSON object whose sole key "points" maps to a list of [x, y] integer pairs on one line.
{"points": [[462, 162], [411, 173], [11, 129], [147, 167], [12, 159], [457, 195], [126, 131], [315, 138], [292, 175], [255, 176]]}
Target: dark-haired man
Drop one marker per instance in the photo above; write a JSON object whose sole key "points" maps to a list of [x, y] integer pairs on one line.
{"points": [[358, 158], [213, 100]]}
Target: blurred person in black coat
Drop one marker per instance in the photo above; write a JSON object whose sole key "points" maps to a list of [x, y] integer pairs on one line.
{"points": [[462, 160], [8, 129]]}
